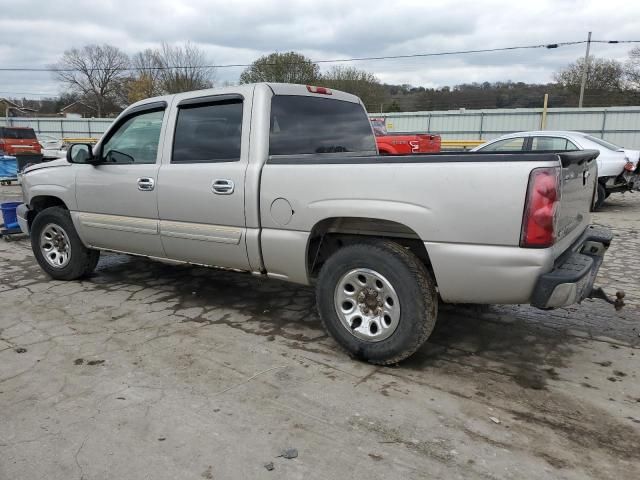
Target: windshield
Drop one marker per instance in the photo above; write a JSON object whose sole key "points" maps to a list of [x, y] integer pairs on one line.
{"points": [[604, 143], [17, 133]]}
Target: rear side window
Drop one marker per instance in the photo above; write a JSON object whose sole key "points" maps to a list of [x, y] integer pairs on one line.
{"points": [[604, 143], [552, 143], [506, 145], [208, 133], [303, 125], [17, 133]]}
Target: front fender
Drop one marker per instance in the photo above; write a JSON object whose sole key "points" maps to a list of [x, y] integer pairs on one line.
{"points": [[50, 182], [65, 194]]}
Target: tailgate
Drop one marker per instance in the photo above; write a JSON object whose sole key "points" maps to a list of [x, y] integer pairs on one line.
{"points": [[20, 146], [578, 183]]}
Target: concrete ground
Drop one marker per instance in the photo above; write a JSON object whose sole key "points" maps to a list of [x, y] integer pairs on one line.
{"points": [[147, 370]]}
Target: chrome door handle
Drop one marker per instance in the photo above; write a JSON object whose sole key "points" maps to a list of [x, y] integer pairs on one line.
{"points": [[222, 186], [146, 184]]}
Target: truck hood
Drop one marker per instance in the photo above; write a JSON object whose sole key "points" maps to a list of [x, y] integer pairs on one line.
{"points": [[60, 162]]}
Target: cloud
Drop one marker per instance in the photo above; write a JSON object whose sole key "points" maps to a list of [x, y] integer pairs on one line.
{"points": [[35, 34]]}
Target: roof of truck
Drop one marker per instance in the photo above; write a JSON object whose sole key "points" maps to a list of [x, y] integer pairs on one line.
{"points": [[544, 132], [276, 88]]}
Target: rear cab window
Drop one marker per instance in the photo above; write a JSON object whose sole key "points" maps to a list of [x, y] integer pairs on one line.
{"points": [[311, 125], [379, 127]]}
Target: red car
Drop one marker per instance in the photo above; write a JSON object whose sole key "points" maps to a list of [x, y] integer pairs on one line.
{"points": [[403, 143], [19, 141]]}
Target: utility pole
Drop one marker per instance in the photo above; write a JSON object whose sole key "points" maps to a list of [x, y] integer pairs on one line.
{"points": [[585, 69], [543, 119]]}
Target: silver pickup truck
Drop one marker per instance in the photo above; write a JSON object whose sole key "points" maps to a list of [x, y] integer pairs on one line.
{"points": [[284, 181]]}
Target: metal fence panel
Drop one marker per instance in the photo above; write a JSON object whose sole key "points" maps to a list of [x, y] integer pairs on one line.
{"points": [[62, 127], [620, 125], [496, 124], [576, 120]]}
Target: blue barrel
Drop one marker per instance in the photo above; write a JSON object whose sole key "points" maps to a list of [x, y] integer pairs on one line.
{"points": [[9, 215]]}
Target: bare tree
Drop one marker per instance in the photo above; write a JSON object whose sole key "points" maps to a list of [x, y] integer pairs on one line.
{"points": [[602, 75], [183, 68], [94, 72], [148, 80], [632, 69]]}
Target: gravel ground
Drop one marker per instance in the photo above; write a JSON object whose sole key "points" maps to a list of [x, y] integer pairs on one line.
{"points": [[148, 370]]}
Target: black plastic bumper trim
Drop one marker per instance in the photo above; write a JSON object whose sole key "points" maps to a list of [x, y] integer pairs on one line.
{"points": [[578, 266]]}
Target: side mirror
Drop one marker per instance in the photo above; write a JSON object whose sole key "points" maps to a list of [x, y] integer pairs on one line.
{"points": [[80, 153]]}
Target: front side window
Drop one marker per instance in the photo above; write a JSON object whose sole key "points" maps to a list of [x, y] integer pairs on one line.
{"points": [[304, 125], [208, 133], [506, 145], [136, 140], [556, 144]]}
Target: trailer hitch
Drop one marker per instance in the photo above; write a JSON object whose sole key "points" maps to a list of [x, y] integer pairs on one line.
{"points": [[599, 292]]}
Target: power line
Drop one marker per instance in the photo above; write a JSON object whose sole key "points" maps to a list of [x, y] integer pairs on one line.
{"points": [[30, 93], [338, 60]]}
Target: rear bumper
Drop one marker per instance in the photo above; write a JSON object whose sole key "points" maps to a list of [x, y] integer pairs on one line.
{"points": [[571, 280], [627, 181], [22, 212]]}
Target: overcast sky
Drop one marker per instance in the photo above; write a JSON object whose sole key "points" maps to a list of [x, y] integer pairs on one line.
{"points": [[35, 33]]}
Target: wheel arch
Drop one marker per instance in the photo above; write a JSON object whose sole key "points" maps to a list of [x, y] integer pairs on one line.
{"points": [[41, 202], [330, 234], [386, 149]]}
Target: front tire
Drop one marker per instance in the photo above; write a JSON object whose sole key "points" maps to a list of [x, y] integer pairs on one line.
{"points": [[58, 248], [377, 300]]}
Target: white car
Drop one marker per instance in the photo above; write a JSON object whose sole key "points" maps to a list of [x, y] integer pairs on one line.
{"points": [[52, 147], [618, 169]]}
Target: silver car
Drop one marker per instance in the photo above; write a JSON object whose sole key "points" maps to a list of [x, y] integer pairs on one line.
{"points": [[52, 147], [618, 169]]}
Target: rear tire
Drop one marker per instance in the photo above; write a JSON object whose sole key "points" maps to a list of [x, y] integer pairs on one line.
{"points": [[601, 196], [58, 248], [391, 330]]}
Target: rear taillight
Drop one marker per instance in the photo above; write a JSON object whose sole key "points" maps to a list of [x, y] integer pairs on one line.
{"points": [[541, 208], [628, 166], [321, 90]]}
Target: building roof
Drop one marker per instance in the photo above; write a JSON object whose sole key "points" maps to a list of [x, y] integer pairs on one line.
{"points": [[15, 106], [77, 102]]}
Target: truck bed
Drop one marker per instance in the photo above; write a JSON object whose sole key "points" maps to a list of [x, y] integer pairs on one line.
{"points": [[467, 208]]}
